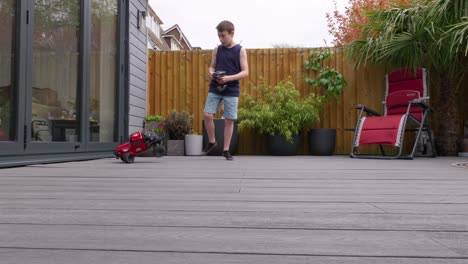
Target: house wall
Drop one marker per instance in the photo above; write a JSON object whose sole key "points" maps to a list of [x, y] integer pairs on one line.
{"points": [[137, 66], [185, 45]]}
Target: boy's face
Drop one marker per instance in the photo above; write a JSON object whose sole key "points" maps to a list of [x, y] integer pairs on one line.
{"points": [[225, 37]]}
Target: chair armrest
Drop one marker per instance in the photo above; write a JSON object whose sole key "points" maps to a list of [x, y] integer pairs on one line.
{"points": [[422, 102], [367, 110]]}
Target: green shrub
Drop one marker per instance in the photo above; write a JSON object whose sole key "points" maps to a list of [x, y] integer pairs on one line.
{"points": [[279, 110], [154, 118]]}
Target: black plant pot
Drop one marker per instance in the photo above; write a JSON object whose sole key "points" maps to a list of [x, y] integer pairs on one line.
{"points": [[322, 141], [279, 146], [219, 135]]}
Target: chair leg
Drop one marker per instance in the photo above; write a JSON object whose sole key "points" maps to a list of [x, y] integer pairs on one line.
{"points": [[352, 155], [421, 125], [431, 141], [353, 148], [382, 150]]}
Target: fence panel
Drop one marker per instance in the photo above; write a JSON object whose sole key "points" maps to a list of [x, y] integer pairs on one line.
{"points": [[179, 81]]}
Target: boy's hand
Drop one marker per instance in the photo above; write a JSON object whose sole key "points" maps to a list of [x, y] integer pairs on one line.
{"points": [[224, 79]]}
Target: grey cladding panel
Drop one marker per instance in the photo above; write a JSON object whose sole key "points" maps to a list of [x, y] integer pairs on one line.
{"points": [[137, 111], [136, 82], [139, 34], [138, 66], [137, 102], [138, 92], [138, 53], [139, 73]]}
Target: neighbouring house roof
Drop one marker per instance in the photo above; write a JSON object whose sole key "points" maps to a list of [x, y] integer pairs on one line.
{"points": [[176, 32]]}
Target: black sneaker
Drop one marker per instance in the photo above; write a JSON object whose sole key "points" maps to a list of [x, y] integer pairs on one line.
{"points": [[209, 147], [227, 155]]}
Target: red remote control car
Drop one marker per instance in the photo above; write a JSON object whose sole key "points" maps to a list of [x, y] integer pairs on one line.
{"points": [[139, 143]]}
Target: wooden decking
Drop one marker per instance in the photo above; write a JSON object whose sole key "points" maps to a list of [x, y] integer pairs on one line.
{"points": [[256, 209]]}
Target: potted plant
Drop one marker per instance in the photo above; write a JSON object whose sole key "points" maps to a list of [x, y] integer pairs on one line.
{"points": [[153, 124], [193, 144], [279, 113], [322, 141], [177, 125]]}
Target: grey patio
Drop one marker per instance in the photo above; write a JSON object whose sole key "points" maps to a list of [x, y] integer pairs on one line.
{"points": [[256, 209]]}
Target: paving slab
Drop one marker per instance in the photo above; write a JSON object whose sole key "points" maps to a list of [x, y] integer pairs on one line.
{"points": [[44, 256]]}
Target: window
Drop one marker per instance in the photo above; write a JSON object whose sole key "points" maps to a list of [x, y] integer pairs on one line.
{"points": [[174, 44], [156, 29]]}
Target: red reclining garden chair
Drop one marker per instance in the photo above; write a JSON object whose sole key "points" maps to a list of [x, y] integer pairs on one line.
{"points": [[405, 105]]}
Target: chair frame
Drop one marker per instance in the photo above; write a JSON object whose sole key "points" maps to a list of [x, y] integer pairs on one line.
{"points": [[408, 119]]}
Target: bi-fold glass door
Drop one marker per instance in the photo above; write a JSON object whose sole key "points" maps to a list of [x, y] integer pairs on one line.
{"points": [[62, 94]]}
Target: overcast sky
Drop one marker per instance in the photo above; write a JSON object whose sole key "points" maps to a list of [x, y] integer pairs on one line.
{"points": [[259, 23]]}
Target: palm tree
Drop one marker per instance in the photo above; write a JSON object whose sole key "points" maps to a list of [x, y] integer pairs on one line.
{"points": [[430, 34]]}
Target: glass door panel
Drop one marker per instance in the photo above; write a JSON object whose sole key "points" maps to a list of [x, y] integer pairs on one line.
{"points": [[55, 71], [8, 86], [103, 73]]}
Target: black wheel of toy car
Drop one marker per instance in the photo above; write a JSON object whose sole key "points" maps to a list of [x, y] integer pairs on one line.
{"points": [[158, 151], [128, 158]]}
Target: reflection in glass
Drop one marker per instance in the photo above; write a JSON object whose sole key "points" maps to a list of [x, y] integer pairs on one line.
{"points": [[55, 70], [7, 70], [103, 91]]}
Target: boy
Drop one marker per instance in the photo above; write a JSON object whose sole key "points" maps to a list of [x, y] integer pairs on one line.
{"points": [[232, 59]]}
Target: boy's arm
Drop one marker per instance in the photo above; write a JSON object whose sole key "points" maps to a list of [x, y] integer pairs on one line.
{"points": [[212, 67], [244, 65], [244, 69]]}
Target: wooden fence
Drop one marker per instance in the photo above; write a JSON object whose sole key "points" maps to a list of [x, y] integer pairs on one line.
{"points": [[179, 80]]}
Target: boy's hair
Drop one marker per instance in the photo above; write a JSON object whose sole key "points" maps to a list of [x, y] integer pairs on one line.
{"points": [[225, 26]]}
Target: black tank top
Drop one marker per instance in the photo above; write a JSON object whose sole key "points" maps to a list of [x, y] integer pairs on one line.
{"points": [[228, 59]]}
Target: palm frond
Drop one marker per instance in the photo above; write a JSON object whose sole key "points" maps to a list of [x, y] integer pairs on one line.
{"points": [[458, 33]]}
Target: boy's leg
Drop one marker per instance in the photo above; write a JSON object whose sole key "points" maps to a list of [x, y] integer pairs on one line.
{"points": [[209, 126], [228, 128], [230, 115], [211, 105]]}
